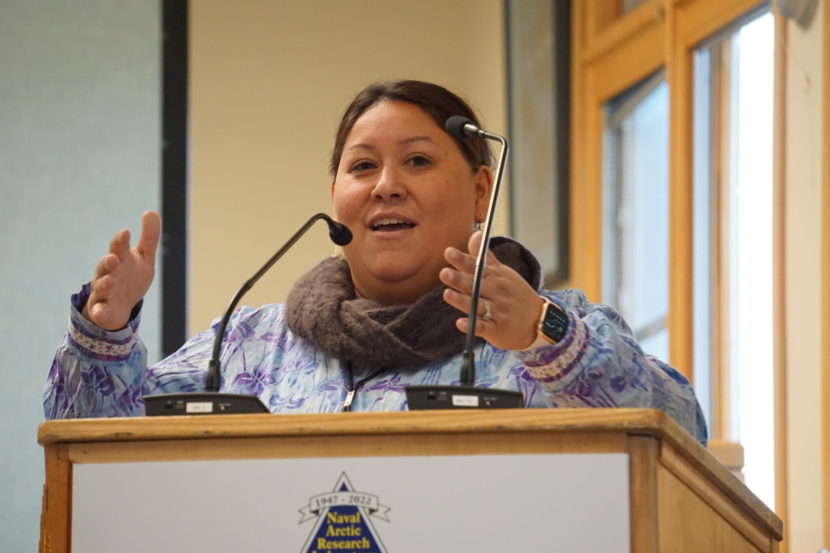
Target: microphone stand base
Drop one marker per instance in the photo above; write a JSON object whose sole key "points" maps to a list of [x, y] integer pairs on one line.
{"points": [[202, 403], [461, 397]]}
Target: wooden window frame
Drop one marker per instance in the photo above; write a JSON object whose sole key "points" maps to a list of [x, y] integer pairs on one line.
{"points": [[610, 53], [825, 276]]}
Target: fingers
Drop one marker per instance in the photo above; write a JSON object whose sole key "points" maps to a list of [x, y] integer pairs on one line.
{"points": [[474, 247], [103, 287], [149, 239], [474, 243], [463, 302], [463, 265], [120, 244], [466, 262], [461, 276], [123, 275], [106, 265], [101, 292], [457, 299]]}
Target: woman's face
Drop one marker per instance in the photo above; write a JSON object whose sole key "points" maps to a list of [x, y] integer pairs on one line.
{"points": [[406, 192]]}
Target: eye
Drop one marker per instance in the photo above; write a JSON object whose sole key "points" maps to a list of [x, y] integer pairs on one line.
{"points": [[362, 166], [418, 161]]}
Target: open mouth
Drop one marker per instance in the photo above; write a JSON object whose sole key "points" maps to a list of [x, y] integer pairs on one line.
{"points": [[386, 225]]}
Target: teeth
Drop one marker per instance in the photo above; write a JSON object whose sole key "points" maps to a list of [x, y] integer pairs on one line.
{"points": [[383, 222]]}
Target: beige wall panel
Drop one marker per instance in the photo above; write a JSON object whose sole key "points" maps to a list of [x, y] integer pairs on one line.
{"points": [[803, 288], [269, 81]]}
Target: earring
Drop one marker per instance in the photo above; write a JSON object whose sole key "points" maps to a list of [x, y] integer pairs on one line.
{"points": [[477, 225]]}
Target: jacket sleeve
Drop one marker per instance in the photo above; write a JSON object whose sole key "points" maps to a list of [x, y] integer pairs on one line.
{"points": [[599, 363], [101, 373]]}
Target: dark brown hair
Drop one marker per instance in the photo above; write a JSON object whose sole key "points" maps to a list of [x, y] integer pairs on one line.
{"points": [[436, 101]]}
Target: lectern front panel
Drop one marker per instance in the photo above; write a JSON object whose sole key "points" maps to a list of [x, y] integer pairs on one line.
{"points": [[476, 503]]}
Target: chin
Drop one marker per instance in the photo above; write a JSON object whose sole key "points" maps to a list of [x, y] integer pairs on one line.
{"points": [[394, 273]]}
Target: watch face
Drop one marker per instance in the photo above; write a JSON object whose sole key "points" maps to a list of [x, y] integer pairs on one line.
{"points": [[555, 323]]}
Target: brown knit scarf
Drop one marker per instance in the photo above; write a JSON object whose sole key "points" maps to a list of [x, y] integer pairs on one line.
{"points": [[323, 308]]}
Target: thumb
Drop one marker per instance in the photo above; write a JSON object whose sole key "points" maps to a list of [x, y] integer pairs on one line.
{"points": [[150, 232]]}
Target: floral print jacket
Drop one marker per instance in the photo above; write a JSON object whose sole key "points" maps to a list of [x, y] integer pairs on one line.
{"points": [[100, 373]]}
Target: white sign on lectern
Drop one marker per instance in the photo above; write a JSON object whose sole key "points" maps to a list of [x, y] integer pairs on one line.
{"points": [[468, 503]]}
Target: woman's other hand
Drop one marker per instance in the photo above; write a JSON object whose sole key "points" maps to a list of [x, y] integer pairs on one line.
{"points": [[123, 275], [514, 305]]}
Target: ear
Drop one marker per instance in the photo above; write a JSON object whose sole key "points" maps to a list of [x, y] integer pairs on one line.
{"points": [[332, 190], [483, 184]]}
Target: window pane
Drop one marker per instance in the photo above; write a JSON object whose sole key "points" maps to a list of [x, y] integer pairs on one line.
{"points": [[733, 235], [752, 281], [635, 252]]}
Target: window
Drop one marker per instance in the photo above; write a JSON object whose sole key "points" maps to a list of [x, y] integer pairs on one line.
{"points": [[733, 125], [692, 152], [635, 206]]}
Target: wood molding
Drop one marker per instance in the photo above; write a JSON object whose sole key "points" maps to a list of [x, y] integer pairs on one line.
{"points": [[681, 231], [578, 261], [267, 425], [636, 59], [599, 16], [721, 383], [779, 275], [55, 520], [696, 21], [643, 457], [392, 444], [825, 275], [621, 30]]}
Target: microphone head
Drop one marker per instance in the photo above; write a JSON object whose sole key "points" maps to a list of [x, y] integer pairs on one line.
{"points": [[455, 126], [339, 233]]}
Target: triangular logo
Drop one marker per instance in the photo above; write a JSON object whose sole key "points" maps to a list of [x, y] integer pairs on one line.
{"points": [[343, 520]]}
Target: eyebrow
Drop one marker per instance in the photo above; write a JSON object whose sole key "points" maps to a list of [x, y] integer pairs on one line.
{"points": [[405, 141]]}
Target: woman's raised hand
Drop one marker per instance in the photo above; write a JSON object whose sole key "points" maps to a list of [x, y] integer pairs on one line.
{"points": [[124, 275], [514, 306]]}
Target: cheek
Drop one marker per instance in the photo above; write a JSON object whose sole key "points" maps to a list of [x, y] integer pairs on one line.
{"points": [[344, 201], [458, 195]]}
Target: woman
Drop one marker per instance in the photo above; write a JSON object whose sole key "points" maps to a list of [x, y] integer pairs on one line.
{"points": [[357, 329]]}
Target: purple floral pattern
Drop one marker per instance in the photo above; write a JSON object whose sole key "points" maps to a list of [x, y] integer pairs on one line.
{"points": [[597, 364]]}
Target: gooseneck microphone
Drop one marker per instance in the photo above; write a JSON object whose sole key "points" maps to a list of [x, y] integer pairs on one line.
{"points": [[467, 395], [461, 127], [211, 401]]}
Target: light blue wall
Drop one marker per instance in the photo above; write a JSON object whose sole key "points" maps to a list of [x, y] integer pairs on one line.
{"points": [[79, 159]]}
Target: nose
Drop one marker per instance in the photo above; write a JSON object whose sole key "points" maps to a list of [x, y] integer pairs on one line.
{"points": [[389, 185]]}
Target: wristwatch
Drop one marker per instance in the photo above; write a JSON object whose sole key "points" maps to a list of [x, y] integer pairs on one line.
{"points": [[553, 322]]}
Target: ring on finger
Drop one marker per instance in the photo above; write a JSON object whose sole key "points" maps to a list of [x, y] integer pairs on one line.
{"points": [[487, 315]]}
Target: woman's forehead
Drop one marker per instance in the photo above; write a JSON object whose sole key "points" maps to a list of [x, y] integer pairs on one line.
{"points": [[395, 115]]}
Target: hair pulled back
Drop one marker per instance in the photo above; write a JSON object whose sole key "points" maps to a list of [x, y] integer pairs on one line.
{"points": [[436, 101]]}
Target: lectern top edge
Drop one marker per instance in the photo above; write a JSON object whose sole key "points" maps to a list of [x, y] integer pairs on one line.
{"points": [[649, 421]]}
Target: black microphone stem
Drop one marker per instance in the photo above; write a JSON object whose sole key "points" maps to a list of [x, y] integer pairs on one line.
{"points": [[212, 379], [468, 366]]}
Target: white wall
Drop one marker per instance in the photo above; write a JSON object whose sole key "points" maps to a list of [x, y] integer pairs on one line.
{"points": [[79, 159], [803, 285]]}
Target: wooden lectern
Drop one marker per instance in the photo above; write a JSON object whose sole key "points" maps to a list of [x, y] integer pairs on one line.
{"points": [[680, 498]]}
